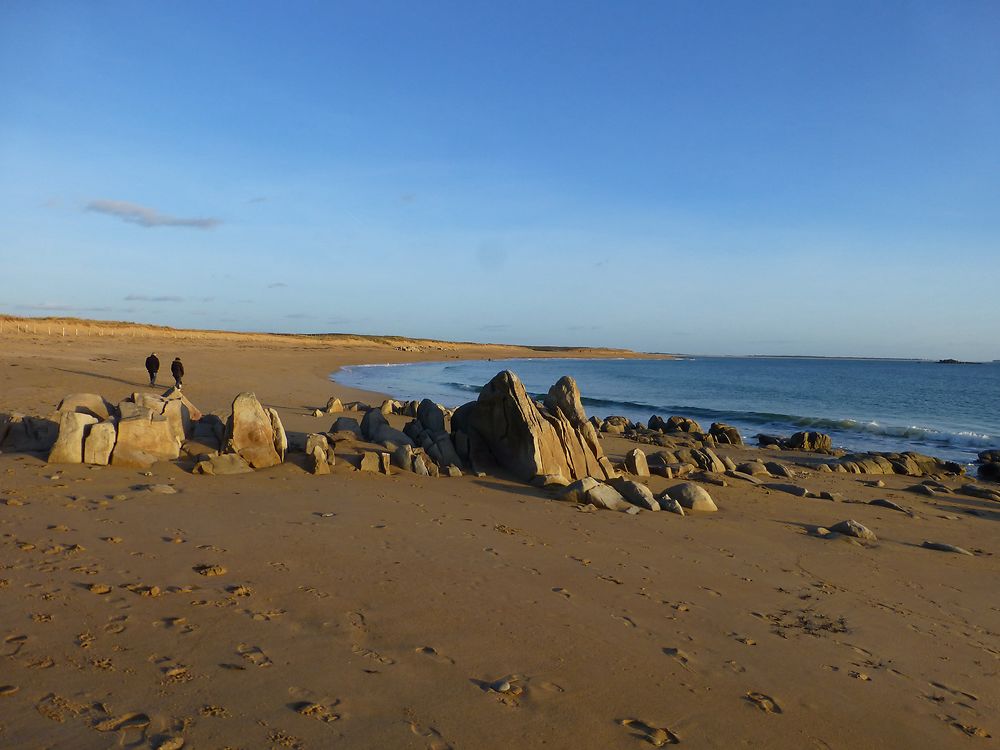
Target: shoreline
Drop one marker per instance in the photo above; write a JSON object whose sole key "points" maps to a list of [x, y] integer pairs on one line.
{"points": [[852, 435]]}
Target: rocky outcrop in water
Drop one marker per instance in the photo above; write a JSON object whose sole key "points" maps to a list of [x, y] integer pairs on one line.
{"points": [[908, 464]]}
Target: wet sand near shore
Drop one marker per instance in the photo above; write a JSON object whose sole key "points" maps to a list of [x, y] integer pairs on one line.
{"points": [[281, 609]]}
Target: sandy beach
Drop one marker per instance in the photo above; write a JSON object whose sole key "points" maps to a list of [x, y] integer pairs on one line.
{"points": [[282, 609]]}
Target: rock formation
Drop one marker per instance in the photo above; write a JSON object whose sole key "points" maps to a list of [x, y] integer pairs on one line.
{"points": [[251, 433], [725, 434], [506, 427], [143, 440]]}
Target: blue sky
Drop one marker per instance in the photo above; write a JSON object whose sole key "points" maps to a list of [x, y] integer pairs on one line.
{"points": [[723, 177]]}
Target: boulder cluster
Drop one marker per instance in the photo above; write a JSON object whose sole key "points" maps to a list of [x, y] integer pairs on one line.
{"points": [[146, 428], [549, 442], [424, 446], [658, 430], [805, 442], [136, 432], [908, 464]]}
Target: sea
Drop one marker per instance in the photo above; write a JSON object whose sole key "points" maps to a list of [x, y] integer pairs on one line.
{"points": [[951, 411]]}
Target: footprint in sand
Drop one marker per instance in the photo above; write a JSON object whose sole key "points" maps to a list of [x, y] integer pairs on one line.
{"points": [[677, 654], [134, 720], [373, 655], [436, 741], [967, 729], [626, 620], [654, 735], [434, 654], [15, 643], [116, 624], [254, 655], [765, 703], [209, 570], [267, 615], [317, 711], [563, 592], [954, 691], [174, 673], [217, 712]]}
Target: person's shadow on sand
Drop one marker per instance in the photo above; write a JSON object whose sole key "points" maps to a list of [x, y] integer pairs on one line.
{"points": [[103, 377]]}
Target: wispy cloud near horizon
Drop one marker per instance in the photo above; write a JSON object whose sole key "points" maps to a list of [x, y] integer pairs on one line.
{"points": [[147, 298], [133, 213]]}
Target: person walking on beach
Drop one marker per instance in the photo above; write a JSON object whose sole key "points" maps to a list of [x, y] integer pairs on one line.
{"points": [[152, 367], [177, 370]]}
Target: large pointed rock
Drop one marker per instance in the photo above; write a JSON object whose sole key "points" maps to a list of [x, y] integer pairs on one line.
{"points": [[565, 396], [528, 441], [68, 448], [250, 432]]}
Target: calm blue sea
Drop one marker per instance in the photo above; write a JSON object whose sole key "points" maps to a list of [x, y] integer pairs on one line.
{"points": [[950, 411]]}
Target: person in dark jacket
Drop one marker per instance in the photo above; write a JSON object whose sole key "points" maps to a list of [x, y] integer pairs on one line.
{"points": [[152, 367], [177, 370]]}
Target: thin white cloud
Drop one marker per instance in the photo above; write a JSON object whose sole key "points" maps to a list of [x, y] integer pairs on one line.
{"points": [[277, 285], [147, 298], [147, 217]]}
